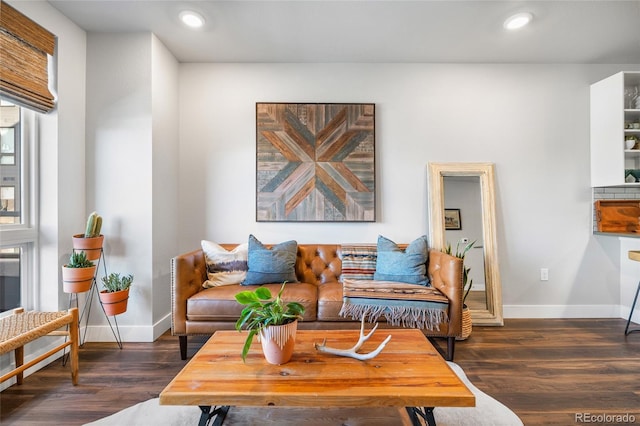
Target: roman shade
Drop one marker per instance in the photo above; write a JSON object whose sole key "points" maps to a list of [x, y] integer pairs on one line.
{"points": [[24, 46]]}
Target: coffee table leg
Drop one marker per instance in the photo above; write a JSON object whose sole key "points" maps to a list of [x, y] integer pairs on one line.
{"points": [[415, 413], [207, 414]]}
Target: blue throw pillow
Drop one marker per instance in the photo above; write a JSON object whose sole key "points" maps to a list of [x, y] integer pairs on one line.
{"points": [[268, 266], [408, 266]]}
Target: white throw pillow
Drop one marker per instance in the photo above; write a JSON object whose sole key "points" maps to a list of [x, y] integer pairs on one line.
{"points": [[224, 267]]}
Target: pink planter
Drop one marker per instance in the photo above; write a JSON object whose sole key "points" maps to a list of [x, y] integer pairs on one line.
{"points": [[278, 342]]}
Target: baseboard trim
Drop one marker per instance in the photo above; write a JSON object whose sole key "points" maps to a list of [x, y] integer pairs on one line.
{"points": [[569, 311], [128, 333]]}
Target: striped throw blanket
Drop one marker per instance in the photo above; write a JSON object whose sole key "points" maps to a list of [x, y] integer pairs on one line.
{"points": [[406, 305], [358, 261]]}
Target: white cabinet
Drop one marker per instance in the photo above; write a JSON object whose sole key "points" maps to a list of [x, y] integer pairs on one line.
{"points": [[615, 115]]}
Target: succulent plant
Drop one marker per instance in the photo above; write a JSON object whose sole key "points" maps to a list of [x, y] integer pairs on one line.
{"points": [[79, 259], [115, 282]]}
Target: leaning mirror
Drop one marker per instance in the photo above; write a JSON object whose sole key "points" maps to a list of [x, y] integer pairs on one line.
{"points": [[462, 208]]}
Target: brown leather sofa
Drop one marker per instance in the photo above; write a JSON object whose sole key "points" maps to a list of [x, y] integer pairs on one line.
{"points": [[202, 311]]}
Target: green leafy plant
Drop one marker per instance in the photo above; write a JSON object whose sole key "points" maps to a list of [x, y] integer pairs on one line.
{"points": [[114, 282], [94, 224], [79, 259], [262, 311], [461, 253]]}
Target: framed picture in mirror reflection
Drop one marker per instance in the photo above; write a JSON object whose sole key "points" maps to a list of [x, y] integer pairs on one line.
{"points": [[452, 219]]}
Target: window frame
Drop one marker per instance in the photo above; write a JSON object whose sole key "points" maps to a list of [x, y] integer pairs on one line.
{"points": [[24, 235]]}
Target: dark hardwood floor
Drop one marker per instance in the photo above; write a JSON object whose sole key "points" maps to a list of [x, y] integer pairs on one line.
{"points": [[546, 371]]}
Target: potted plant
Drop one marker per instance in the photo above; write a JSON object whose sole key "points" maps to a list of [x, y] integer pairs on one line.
{"points": [[115, 295], [630, 141], [77, 275], [274, 321], [466, 287], [91, 241]]}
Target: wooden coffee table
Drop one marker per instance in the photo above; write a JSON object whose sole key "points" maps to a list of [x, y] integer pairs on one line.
{"points": [[408, 373]]}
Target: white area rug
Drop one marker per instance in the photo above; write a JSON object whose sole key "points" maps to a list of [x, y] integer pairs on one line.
{"points": [[487, 412]]}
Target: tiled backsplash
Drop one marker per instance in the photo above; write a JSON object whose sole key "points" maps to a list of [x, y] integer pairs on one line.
{"points": [[614, 193], [617, 193]]}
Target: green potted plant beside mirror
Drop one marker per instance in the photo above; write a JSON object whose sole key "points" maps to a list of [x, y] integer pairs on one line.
{"points": [[275, 321], [115, 295], [77, 275], [91, 241], [467, 283]]}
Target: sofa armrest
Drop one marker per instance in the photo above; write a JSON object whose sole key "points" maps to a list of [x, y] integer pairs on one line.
{"points": [[188, 272], [445, 273]]}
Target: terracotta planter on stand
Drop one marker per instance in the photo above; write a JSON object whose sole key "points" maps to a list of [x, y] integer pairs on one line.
{"points": [[114, 303], [92, 246], [77, 280], [278, 342]]}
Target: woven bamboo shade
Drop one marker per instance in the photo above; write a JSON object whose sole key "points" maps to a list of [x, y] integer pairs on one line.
{"points": [[24, 46]]}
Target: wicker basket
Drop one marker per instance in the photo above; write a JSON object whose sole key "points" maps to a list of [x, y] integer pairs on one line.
{"points": [[466, 324]]}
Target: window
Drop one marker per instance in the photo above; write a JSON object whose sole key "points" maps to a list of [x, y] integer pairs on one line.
{"points": [[18, 232], [10, 167], [8, 146]]}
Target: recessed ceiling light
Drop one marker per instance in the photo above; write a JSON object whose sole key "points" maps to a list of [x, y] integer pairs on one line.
{"points": [[191, 19], [518, 20]]}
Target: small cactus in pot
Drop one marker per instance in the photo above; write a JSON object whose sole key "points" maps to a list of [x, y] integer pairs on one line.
{"points": [[91, 240], [94, 224]]}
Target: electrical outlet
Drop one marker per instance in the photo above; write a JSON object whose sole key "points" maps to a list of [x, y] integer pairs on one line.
{"points": [[544, 274]]}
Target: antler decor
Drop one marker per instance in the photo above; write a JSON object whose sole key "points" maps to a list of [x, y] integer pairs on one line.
{"points": [[352, 353]]}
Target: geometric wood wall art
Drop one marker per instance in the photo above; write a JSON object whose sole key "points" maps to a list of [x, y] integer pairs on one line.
{"points": [[315, 162]]}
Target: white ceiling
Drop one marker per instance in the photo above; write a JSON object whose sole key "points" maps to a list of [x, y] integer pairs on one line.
{"points": [[577, 31]]}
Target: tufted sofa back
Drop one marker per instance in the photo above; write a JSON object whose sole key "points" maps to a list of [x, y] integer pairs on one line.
{"points": [[318, 263], [315, 263]]}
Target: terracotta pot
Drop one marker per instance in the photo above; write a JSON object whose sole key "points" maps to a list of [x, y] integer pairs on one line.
{"points": [[278, 342], [77, 280], [114, 303], [91, 246]]}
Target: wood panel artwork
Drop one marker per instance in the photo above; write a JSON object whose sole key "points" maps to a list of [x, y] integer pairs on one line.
{"points": [[315, 162]]}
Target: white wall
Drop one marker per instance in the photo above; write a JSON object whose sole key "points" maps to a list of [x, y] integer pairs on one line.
{"points": [[164, 84], [532, 121], [132, 158]]}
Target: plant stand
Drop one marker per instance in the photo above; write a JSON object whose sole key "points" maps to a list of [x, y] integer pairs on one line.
{"points": [[86, 310], [116, 332], [88, 301]]}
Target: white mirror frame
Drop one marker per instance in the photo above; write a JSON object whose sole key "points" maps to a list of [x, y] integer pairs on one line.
{"points": [[485, 171]]}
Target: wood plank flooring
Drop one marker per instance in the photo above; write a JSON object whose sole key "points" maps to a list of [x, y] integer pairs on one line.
{"points": [[545, 370]]}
